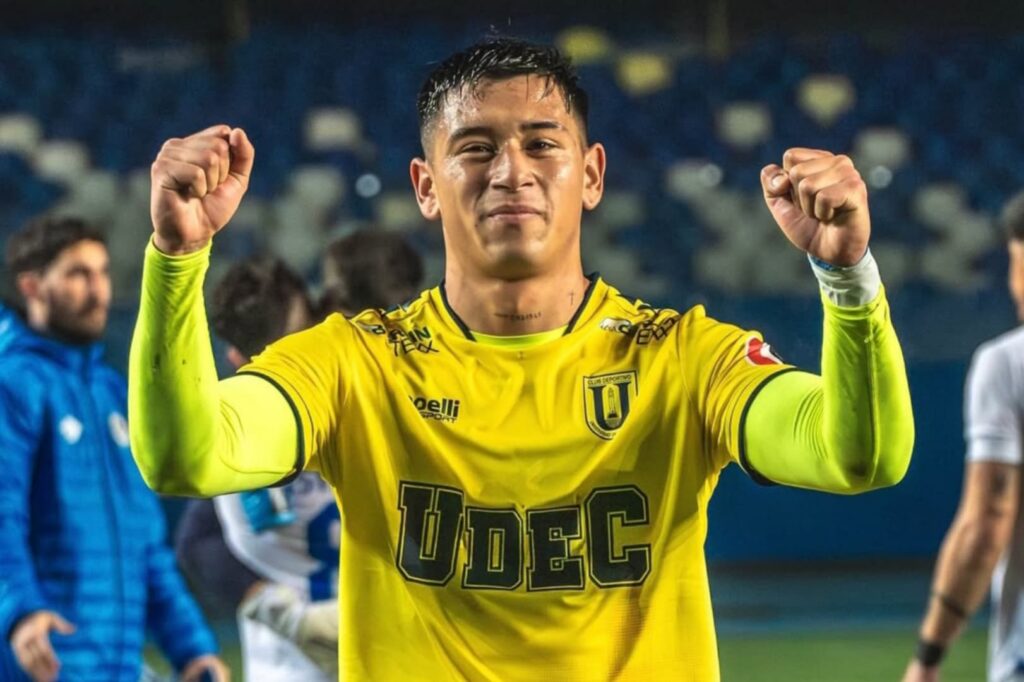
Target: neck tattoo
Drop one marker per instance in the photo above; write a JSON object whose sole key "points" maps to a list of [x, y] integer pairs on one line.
{"points": [[518, 317]]}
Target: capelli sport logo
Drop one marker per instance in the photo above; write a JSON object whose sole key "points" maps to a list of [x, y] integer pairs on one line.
{"points": [[442, 410]]}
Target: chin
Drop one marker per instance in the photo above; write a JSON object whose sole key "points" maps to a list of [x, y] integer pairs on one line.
{"points": [[513, 266], [82, 333]]}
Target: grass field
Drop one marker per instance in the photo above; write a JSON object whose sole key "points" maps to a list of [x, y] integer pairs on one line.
{"points": [[868, 656], [809, 623]]}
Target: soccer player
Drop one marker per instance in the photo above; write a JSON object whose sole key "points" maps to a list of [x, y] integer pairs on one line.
{"points": [[369, 269], [986, 532], [270, 554], [523, 456], [84, 569]]}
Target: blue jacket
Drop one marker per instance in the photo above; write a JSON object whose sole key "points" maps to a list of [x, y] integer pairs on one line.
{"points": [[80, 533]]}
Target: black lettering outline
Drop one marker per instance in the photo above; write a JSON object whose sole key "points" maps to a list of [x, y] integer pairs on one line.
{"points": [[469, 514], [432, 509], [622, 516], [569, 558]]}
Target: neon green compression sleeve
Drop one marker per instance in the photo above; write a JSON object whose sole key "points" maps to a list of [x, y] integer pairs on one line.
{"points": [[190, 433], [847, 431]]}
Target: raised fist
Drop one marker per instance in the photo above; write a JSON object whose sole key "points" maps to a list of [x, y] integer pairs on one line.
{"points": [[198, 182], [820, 202]]}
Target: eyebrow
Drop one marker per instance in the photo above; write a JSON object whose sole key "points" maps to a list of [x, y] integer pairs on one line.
{"points": [[469, 131]]}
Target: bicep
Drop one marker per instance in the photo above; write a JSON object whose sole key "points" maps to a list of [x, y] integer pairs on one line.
{"points": [[992, 410], [782, 434], [259, 437], [254, 444], [307, 371]]}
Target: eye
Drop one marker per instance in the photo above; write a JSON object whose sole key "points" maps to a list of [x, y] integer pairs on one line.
{"points": [[476, 148], [541, 145]]}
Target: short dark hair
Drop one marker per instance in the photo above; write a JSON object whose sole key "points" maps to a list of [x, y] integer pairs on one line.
{"points": [[36, 245], [250, 305], [375, 270], [1012, 217], [500, 59]]}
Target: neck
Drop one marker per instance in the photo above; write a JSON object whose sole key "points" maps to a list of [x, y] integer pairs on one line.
{"points": [[514, 307]]}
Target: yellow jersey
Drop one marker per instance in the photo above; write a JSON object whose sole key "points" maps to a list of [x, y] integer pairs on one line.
{"points": [[523, 513]]}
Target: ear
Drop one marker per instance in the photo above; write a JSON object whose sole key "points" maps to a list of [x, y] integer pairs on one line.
{"points": [[593, 176], [423, 185], [237, 358], [28, 285]]}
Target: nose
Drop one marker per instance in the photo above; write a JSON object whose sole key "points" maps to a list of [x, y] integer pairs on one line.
{"points": [[510, 169]]}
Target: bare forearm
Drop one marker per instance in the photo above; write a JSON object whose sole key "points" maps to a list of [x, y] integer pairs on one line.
{"points": [[962, 576]]}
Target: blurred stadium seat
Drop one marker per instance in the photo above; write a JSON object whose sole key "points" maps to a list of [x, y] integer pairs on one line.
{"points": [[78, 115]]}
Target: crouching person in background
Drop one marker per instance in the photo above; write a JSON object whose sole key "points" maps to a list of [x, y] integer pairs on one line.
{"points": [[84, 569]]}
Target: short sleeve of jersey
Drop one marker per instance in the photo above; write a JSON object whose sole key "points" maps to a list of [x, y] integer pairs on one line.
{"points": [[309, 369], [992, 407], [724, 368]]}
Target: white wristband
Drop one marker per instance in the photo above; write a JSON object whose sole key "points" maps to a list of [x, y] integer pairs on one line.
{"points": [[849, 287]]}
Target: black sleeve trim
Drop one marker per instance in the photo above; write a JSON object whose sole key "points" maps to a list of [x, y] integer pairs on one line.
{"points": [[754, 474], [300, 454]]}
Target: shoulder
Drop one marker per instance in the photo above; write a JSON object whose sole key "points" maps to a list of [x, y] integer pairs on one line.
{"points": [[1000, 359], [1005, 346], [411, 317], [25, 373], [620, 312], [647, 323], [395, 315]]}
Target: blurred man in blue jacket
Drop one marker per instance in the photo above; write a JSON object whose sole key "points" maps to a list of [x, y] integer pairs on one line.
{"points": [[84, 570]]}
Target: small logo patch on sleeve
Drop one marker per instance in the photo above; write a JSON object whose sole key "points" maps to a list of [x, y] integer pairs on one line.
{"points": [[761, 353]]}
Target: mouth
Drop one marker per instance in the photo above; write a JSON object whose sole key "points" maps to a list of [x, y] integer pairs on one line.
{"points": [[512, 213]]}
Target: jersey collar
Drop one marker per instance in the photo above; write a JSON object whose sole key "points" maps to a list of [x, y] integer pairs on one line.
{"points": [[584, 311]]}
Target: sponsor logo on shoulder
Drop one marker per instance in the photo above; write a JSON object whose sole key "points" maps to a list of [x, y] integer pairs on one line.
{"points": [[377, 329], [644, 332], [440, 409], [617, 324], [415, 340], [402, 341]]}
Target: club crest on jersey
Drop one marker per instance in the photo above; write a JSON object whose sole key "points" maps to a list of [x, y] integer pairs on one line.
{"points": [[606, 401], [761, 353]]}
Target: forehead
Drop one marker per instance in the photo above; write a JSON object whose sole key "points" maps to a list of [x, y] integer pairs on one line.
{"points": [[86, 252], [505, 102]]}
